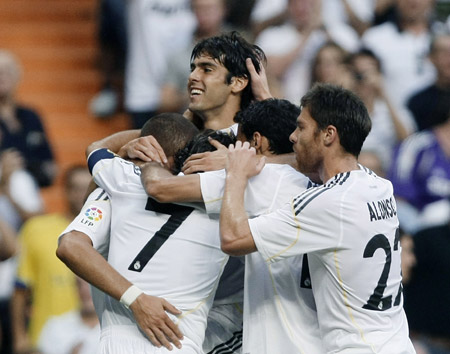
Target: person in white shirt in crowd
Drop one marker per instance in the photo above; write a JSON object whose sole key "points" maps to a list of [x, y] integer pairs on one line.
{"points": [[402, 48], [75, 331], [291, 47], [391, 123], [156, 30]]}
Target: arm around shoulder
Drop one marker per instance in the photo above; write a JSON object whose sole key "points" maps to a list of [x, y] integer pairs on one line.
{"points": [[164, 187]]}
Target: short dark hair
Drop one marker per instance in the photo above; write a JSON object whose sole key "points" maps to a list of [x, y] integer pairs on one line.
{"points": [[171, 130], [333, 105], [200, 143], [274, 119], [231, 50]]}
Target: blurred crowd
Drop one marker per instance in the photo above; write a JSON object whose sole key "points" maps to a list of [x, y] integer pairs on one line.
{"points": [[395, 54]]}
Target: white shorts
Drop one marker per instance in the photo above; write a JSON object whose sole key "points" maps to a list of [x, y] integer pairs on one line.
{"points": [[128, 339], [224, 330]]}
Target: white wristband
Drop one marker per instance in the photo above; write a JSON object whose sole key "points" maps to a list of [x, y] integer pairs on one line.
{"points": [[130, 295]]}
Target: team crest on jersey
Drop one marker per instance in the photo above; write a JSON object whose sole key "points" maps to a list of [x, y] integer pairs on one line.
{"points": [[94, 214]]}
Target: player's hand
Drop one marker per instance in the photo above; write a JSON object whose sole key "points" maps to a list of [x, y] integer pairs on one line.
{"points": [[150, 314], [207, 161], [243, 161], [145, 148], [259, 82]]}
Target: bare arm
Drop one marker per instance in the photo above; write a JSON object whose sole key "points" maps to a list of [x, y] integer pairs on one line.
{"points": [[376, 79], [164, 187], [359, 26], [235, 234], [114, 142], [8, 243], [21, 341], [129, 144], [76, 251]]}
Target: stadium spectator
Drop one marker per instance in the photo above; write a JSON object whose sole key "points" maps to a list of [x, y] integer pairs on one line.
{"points": [[431, 105], [291, 47], [19, 200], [330, 66], [112, 39], [402, 48], [390, 122], [8, 243], [21, 128], [426, 294], [156, 30], [356, 13], [42, 279], [420, 173], [76, 331]]}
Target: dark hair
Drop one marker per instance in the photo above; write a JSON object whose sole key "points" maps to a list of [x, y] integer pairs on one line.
{"points": [[333, 105], [200, 143], [231, 50], [330, 44], [171, 130], [274, 119]]}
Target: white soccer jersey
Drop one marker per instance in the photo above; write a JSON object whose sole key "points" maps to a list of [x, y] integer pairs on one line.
{"points": [[348, 227], [279, 310], [167, 250], [94, 221]]}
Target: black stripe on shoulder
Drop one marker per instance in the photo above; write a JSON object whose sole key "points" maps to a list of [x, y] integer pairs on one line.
{"points": [[310, 194], [304, 195], [230, 346], [302, 206], [100, 195], [344, 178], [369, 171]]}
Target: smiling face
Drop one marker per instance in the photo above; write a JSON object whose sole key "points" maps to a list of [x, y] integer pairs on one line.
{"points": [[207, 86], [306, 143]]}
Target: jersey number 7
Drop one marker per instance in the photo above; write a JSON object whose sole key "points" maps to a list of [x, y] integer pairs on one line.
{"points": [[178, 214]]}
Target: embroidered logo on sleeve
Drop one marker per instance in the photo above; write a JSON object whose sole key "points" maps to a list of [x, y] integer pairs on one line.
{"points": [[94, 214]]}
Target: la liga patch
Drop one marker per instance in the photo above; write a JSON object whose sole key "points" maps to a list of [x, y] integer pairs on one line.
{"points": [[94, 214]]}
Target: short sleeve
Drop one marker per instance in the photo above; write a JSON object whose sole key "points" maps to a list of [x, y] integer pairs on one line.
{"points": [[110, 171], [94, 220], [212, 186], [301, 226]]}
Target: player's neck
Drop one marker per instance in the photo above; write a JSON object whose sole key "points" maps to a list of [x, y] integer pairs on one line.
{"points": [[334, 165], [220, 118]]}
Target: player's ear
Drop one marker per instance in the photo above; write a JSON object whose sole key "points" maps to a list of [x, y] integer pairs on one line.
{"points": [[260, 143], [238, 84], [330, 135]]}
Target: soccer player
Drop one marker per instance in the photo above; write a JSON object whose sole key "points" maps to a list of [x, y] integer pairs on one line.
{"points": [[227, 73], [153, 236], [348, 227], [279, 312]]}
